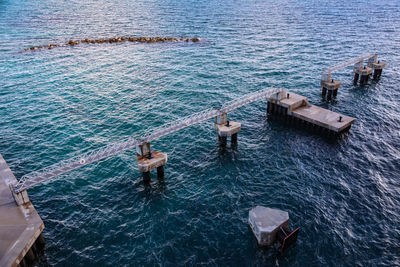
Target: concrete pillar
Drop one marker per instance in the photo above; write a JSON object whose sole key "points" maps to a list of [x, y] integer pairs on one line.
{"points": [[227, 128], [334, 92], [329, 95], [330, 86], [23, 263], [364, 79], [222, 140], [356, 75], [234, 139], [222, 118], [143, 149], [160, 172], [323, 92], [146, 177], [364, 73], [376, 74], [378, 67], [40, 243], [148, 160], [30, 256]]}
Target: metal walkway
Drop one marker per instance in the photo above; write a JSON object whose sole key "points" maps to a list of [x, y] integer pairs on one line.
{"points": [[38, 177], [357, 61]]}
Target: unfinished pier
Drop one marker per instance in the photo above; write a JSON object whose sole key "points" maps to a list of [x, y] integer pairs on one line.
{"points": [[291, 106], [296, 110], [362, 73], [21, 240]]}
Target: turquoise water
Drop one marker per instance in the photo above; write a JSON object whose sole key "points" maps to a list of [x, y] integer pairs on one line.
{"points": [[343, 194]]}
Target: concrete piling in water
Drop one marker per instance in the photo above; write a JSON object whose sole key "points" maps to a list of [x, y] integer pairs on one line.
{"points": [[330, 87], [160, 172], [356, 76], [234, 139], [378, 67], [226, 128], [148, 160], [146, 177], [363, 73]]}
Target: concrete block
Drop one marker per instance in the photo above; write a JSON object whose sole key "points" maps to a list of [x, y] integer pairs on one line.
{"points": [[379, 65], [278, 96], [158, 159], [20, 198], [143, 149], [363, 71], [293, 102], [233, 128], [266, 222], [221, 119], [331, 85]]}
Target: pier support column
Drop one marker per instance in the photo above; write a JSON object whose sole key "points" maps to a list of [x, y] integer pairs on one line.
{"points": [[331, 86], [146, 177], [364, 79], [356, 76], [234, 138], [364, 73], [329, 97], [323, 92], [223, 140], [160, 172], [227, 128], [148, 160], [378, 67]]}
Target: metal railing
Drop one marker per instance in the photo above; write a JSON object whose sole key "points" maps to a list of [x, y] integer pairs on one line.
{"points": [[357, 62], [76, 162]]}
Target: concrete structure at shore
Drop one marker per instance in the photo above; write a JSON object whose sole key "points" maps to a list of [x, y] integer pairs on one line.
{"points": [[21, 240]]}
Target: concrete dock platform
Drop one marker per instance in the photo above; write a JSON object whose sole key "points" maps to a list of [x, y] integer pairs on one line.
{"points": [[157, 159], [296, 109], [21, 240], [225, 130], [323, 118]]}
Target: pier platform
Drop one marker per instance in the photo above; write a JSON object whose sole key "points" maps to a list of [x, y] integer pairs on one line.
{"points": [[296, 109], [21, 241], [158, 159]]}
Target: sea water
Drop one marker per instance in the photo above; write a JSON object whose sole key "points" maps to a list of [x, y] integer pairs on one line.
{"points": [[58, 103]]}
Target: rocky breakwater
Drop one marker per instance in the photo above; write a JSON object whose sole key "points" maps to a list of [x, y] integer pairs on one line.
{"points": [[145, 39]]}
